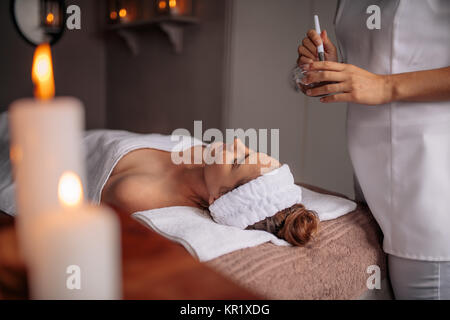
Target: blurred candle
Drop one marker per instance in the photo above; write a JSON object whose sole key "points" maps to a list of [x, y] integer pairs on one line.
{"points": [[76, 249], [162, 7], [124, 15], [56, 229], [46, 137], [174, 10]]}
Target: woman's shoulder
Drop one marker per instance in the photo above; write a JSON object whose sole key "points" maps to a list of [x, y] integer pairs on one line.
{"points": [[125, 139], [129, 192]]}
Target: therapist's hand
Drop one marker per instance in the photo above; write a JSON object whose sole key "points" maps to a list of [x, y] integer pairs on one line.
{"points": [[307, 52], [352, 84]]}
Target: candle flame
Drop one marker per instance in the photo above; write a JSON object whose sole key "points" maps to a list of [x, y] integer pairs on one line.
{"points": [[172, 3], [50, 18], [122, 13], [162, 4], [42, 73], [70, 190]]}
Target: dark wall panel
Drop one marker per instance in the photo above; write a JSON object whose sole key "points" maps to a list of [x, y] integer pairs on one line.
{"points": [[158, 90], [155, 91], [78, 61]]}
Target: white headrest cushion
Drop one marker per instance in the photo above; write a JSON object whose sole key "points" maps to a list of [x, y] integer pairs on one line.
{"points": [[258, 199]]}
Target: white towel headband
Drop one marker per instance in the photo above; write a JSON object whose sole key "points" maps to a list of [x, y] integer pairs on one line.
{"points": [[258, 199]]}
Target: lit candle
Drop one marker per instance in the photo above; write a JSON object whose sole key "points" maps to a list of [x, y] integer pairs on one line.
{"points": [[46, 135], [76, 249], [174, 9], [123, 15], [72, 250], [162, 7]]}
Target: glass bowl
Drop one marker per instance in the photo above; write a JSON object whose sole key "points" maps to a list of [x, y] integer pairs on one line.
{"points": [[297, 75]]}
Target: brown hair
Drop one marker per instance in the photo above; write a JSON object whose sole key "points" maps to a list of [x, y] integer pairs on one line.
{"points": [[297, 225]]}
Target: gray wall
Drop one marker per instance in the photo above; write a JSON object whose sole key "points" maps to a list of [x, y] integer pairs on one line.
{"points": [[78, 61], [158, 90], [263, 41]]}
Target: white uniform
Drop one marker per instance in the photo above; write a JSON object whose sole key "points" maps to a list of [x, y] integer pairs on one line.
{"points": [[401, 150]]}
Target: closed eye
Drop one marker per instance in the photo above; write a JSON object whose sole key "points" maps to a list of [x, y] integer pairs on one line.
{"points": [[237, 162]]}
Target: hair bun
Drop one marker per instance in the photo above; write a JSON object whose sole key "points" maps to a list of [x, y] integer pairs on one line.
{"points": [[300, 225]]}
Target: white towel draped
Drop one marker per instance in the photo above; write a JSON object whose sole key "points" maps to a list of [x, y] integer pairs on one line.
{"points": [[205, 239], [257, 199]]}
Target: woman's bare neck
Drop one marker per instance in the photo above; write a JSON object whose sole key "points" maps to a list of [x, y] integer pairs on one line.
{"points": [[192, 183]]}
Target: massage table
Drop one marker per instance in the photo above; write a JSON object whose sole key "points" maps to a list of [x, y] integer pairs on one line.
{"points": [[333, 266]]}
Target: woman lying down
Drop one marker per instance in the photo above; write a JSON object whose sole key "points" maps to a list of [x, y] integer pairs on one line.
{"points": [[134, 172]]}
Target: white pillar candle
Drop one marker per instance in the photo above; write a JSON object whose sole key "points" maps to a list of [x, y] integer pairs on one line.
{"points": [[72, 250], [45, 142], [75, 255]]}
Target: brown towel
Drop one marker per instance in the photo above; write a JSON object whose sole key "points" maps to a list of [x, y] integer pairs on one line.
{"points": [[333, 266]]}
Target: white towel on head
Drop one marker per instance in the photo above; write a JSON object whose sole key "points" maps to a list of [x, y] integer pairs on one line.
{"points": [[257, 199], [205, 239]]}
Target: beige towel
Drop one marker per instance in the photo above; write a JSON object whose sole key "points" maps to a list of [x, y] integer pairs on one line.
{"points": [[334, 266]]}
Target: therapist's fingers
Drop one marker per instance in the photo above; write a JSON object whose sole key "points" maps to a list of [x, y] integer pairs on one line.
{"points": [[315, 37], [308, 44], [327, 89], [329, 47], [303, 51], [315, 76], [341, 97], [327, 65], [305, 56], [303, 60]]}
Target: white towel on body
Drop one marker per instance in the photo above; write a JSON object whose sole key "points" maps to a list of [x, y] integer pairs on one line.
{"points": [[103, 149]]}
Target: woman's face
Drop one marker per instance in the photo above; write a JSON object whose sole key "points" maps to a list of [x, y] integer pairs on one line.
{"points": [[239, 165]]}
